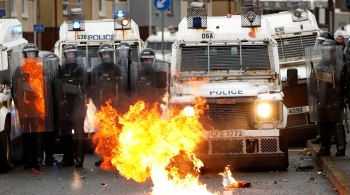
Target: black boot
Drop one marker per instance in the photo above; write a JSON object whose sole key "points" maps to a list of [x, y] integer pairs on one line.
{"points": [[79, 153], [339, 136], [325, 139], [317, 140], [68, 154], [98, 163]]}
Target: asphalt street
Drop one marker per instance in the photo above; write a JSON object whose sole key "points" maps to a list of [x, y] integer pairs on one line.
{"points": [[302, 177]]}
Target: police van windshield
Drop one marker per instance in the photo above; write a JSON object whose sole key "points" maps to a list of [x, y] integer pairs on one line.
{"points": [[157, 46], [234, 57]]}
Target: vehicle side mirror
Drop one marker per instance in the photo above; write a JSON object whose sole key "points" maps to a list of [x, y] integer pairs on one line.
{"points": [[292, 77]]}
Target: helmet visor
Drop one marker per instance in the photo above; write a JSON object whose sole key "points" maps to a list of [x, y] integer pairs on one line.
{"points": [[319, 41], [31, 54], [106, 56]]}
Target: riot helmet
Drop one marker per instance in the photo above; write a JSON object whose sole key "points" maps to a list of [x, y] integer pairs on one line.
{"points": [[106, 52], [123, 50], [147, 60], [324, 36], [70, 52], [52, 56], [30, 51]]}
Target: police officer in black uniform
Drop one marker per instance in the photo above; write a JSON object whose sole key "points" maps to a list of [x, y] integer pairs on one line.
{"points": [[319, 40], [106, 78], [327, 110], [106, 81], [148, 79], [72, 107], [32, 119]]}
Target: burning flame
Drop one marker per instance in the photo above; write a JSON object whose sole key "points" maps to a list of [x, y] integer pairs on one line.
{"points": [[89, 122], [34, 69], [141, 145], [227, 180]]}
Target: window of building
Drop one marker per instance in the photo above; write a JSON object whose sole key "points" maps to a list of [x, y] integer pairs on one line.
{"points": [[102, 7], [24, 8], [14, 8], [65, 4]]}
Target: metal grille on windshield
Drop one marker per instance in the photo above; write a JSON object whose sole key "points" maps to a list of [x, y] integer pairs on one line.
{"points": [[293, 47], [252, 57]]}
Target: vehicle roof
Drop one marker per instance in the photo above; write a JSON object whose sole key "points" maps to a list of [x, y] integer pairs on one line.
{"points": [[10, 30], [284, 19], [168, 36], [101, 27], [224, 28]]}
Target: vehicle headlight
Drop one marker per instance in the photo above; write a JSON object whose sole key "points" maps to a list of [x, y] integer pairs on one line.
{"points": [[268, 111], [264, 110], [189, 111]]}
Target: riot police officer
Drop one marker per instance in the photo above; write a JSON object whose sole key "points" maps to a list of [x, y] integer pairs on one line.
{"points": [[325, 109], [106, 77], [148, 79], [51, 70], [319, 40], [106, 82], [72, 107], [30, 99]]}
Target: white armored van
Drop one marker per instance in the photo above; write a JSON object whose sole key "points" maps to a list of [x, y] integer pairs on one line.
{"points": [[293, 34], [236, 70], [11, 45]]}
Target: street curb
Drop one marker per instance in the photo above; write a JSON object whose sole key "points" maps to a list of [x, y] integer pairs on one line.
{"points": [[333, 173]]}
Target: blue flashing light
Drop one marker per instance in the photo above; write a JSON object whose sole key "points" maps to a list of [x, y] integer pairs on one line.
{"points": [[120, 13], [76, 25], [197, 22]]}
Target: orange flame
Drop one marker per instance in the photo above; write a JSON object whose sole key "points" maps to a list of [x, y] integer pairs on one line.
{"points": [[227, 180], [145, 145], [34, 69]]}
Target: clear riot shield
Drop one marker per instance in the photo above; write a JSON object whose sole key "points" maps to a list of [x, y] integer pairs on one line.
{"points": [[72, 96], [74, 77], [324, 65], [51, 70], [34, 98], [123, 62], [105, 82]]}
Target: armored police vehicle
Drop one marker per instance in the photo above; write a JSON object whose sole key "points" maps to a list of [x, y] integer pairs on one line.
{"points": [[11, 45], [88, 35], [233, 63], [293, 31], [154, 42]]}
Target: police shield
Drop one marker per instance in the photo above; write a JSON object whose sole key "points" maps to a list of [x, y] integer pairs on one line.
{"points": [[33, 89], [324, 65], [106, 82], [123, 62], [71, 92], [149, 80]]}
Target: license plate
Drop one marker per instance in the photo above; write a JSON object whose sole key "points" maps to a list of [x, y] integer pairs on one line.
{"points": [[298, 110], [225, 134]]}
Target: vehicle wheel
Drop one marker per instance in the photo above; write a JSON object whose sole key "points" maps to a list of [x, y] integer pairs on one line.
{"points": [[5, 147]]}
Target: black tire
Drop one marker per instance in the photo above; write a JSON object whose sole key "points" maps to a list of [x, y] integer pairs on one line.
{"points": [[5, 146]]}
